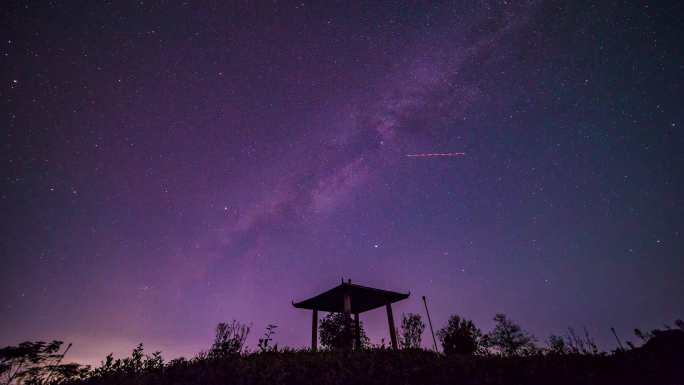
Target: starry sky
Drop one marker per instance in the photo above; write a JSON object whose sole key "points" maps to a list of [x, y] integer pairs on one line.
{"points": [[168, 166]]}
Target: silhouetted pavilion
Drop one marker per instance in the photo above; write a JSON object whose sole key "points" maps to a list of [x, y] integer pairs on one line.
{"points": [[349, 298]]}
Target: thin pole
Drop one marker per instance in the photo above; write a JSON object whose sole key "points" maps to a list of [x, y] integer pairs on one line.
{"points": [[434, 341], [617, 338]]}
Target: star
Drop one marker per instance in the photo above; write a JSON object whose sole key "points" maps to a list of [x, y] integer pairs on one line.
{"points": [[337, 126]]}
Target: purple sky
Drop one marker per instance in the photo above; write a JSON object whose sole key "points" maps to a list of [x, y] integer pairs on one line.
{"points": [[168, 167]]}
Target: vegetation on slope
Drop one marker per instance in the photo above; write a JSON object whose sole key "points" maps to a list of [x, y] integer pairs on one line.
{"points": [[505, 355]]}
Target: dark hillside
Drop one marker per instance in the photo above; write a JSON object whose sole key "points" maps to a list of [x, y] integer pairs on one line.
{"points": [[403, 367]]}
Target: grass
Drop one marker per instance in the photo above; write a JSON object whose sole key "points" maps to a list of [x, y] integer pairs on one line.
{"points": [[381, 366]]}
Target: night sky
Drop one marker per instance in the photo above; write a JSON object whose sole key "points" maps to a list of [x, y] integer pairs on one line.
{"points": [[168, 166]]}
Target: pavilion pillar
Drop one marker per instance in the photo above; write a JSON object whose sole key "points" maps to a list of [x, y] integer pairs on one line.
{"points": [[357, 332], [390, 320], [314, 330], [347, 303], [347, 320]]}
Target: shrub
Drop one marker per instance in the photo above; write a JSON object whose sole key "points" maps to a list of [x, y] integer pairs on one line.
{"points": [[556, 345], [264, 344], [36, 363], [572, 343], [138, 363], [337, 332], [578, 344], [412, 328], [460, 336], [509, 339], [229, 340]]}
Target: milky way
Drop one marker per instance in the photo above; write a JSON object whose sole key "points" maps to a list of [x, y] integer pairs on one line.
{"points": [[169, 167]]}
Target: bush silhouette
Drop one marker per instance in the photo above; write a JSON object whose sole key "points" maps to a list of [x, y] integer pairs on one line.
{"points": [[412, 328], [460, 336], [229, 340], [572, 343], [658, 362], [264, 344], [36, 363], [509, 339], [337, 332]]}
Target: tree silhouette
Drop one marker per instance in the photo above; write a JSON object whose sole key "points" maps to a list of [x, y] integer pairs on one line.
{"points": [[337, 332], [460, 336], [412, 328], [509, 339], [36, 363]]}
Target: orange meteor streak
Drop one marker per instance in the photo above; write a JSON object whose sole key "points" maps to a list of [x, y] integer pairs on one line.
{"points": [[437, 155]]}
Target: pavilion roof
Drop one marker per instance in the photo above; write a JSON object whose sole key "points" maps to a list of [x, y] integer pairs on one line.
{"points": [[363, 298]]}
